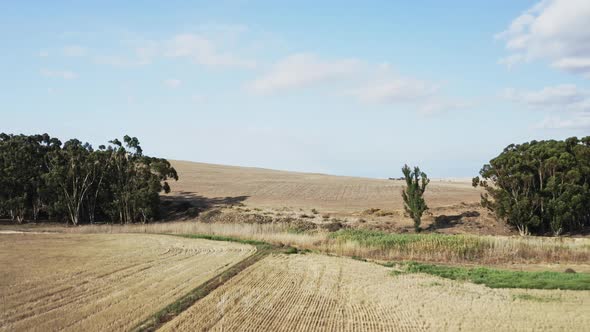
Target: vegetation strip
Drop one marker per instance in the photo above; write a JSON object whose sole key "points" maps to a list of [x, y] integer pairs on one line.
{"points": [[505, 278], [172, 310]]}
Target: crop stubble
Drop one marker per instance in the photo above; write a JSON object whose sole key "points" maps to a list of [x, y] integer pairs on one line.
{"points": [[277, 189], [321, 293], [101, 282]]}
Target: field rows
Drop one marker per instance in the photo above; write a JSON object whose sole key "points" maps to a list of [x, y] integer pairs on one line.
{"points": [[101, 282], [271, 188], [321, 293]]}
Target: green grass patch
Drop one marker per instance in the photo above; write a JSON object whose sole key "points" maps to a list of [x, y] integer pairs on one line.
{"points": [[505, 278], [397, 273], [535, 298], [258, 244]]}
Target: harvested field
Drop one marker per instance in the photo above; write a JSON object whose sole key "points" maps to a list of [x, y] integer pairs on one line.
{"points": [[319, 198], [314, 292], [91, 282], [328, 193]]}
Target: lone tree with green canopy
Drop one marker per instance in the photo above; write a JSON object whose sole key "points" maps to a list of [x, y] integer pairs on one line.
{"points": [[413, 194]]}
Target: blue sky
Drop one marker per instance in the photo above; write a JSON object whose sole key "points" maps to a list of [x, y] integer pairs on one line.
{"points": [[339, 87]]}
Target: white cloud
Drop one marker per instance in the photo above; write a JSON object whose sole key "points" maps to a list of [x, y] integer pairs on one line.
{"points": [[423, 96], [198, 48], [568, 105], [74, 51], [577, 121], [172, 83], [396, 90], [119, 61], [203, 51], [141, 56], [373, 84], [65, 74], [300, 71], [440, 105], [43, 53], [554, 30], [564, 97]]}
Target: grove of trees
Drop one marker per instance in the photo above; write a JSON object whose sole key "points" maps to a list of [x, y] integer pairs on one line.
{"points": [[41, 178], [540, 186]]}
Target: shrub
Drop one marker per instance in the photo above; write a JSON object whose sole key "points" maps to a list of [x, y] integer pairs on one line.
{"points": [[193, 212], [210, 215]]}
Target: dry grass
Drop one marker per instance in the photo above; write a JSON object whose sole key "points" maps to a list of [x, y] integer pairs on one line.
{"points": [[101, 282], [326, 193], [386, 247], [320, 293]]}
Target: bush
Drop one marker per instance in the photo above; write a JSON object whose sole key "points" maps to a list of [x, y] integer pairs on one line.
{"points": [[210, 215], [333, 226], [301, 226], [193, 212]]}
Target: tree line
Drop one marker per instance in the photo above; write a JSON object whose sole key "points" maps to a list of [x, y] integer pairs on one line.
{"points": [[41, 178], [540, 186]]}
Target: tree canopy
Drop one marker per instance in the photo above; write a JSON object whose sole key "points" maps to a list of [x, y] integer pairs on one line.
{"points": [[42, 178], [540, 186]]}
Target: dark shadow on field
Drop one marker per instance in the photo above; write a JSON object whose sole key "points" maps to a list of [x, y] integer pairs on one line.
{"points": [[187, 205], [444, 221]]}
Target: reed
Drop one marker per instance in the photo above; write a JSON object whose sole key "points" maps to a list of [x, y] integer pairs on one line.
{"points": [[379, 245]]}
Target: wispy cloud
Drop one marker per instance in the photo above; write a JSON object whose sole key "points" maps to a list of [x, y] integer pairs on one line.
{"points": [[395, 90], [564, 97], [65, 74], [197, 48], [121, 61], [172, 83], [568, 105], [351, 77], [440, 104], [74, 51], [301, 71], [202, 50], [555, 30], [576, 121]]}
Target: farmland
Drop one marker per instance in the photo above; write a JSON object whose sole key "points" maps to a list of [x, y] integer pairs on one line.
{"points": [[363, 202], [101, 282], [358, 276], [271, 188], [320, 293], [119, 281]]}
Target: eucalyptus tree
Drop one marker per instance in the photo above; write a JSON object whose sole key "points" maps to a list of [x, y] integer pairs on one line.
{"points": [[21, 175], [137, 181], [73, 170], [540, 186], [39, 175]]}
